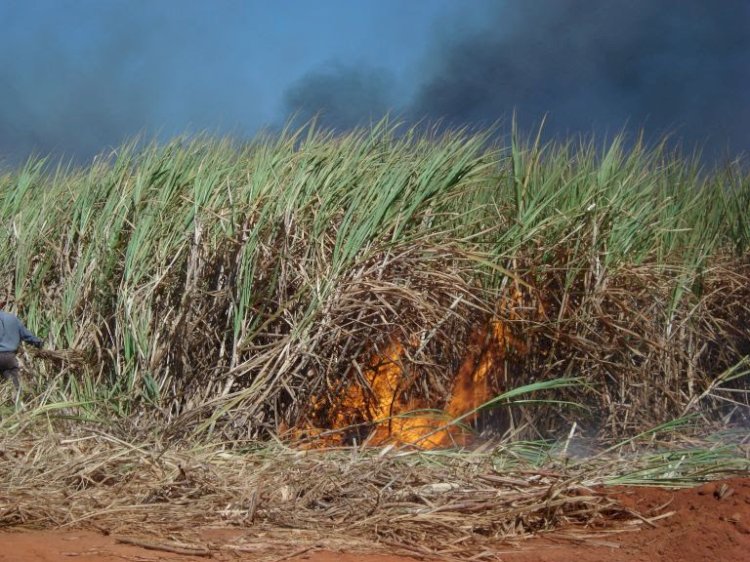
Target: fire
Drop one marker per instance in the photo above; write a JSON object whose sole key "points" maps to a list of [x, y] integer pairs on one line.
{"points": [[381, 402], [482, 366], [375, 396]]}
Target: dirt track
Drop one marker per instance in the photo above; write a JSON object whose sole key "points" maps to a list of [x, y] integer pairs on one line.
{"points": [[709, 523]]}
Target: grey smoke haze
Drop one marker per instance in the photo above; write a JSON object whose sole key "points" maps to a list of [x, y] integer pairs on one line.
{"points": [[51, 96], [77, 77], [676, 66]]}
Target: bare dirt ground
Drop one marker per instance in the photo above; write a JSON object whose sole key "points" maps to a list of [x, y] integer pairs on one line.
{"points": [[711, 522]]}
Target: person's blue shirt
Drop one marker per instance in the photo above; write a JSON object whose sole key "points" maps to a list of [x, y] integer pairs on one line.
{"points": [[13, 332]]}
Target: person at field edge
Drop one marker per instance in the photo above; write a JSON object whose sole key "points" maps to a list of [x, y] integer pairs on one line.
{"points": [[12, 333]]}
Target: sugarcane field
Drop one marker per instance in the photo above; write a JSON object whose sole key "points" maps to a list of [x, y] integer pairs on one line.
{"points": [[383, 345]]}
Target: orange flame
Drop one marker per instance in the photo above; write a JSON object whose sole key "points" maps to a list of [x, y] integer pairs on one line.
{"points": [[376, 394]]}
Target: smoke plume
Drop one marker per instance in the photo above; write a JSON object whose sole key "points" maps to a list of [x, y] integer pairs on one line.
{"points": [[671, 66]]}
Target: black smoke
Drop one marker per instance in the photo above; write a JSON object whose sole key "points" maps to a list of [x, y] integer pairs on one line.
{"points": [[341, 97], [680, 67]]}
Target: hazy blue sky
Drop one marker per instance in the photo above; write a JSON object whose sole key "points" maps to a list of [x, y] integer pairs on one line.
{"points": [[79, 76]]}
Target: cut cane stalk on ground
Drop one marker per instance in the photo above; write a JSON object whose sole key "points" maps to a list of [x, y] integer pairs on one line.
{"points": [[207, 298]]}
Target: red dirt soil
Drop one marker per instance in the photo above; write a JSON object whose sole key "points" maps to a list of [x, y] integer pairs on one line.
{"points": [[711, 522]]}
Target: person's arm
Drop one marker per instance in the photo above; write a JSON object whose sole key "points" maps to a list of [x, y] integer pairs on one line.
{"points": [[27, 336]]}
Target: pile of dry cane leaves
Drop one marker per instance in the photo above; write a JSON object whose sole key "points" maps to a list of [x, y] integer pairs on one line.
{"points": [[409, 502]]}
